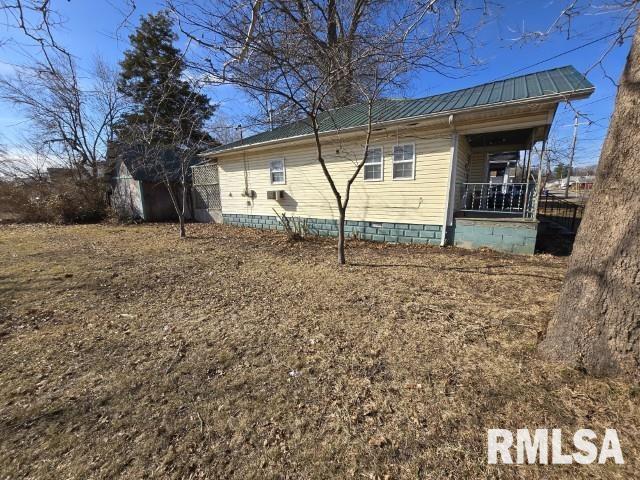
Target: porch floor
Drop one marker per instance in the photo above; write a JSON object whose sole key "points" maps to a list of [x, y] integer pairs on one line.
{"points": [[494, 216]]}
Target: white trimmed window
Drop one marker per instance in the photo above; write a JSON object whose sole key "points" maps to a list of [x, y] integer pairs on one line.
{"points": [[276, 172], [404, 162], [374, 165]]}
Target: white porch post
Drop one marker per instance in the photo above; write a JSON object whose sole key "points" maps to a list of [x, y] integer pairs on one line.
{"points": [[451, 189], [539, 185]]}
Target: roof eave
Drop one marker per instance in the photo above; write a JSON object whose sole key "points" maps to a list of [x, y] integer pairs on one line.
{"points": [[575, 95]]}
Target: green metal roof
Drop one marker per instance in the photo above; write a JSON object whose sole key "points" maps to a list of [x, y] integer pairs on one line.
{"points": [[559, 83]]}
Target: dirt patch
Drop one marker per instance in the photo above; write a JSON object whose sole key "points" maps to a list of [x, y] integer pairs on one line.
{"points": [[233, 354]]}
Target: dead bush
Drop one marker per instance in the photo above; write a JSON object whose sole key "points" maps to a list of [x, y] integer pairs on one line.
{"points": [[296, 228], [71, 201], [120, 215]]}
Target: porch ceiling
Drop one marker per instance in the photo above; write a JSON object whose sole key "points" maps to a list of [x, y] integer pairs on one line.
{"points": [[520, 139]]}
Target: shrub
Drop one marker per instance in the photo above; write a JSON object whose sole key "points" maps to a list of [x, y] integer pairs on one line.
{"points": [[69, 201], [296, 228]]}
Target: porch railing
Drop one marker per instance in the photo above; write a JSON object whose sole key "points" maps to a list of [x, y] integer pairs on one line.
{"points": [[508, 198]]}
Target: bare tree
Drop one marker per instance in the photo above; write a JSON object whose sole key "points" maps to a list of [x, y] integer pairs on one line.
{"points": [[597, 323], [25, 162], [37, 20], [168, 150], [309, 57], [71, 124], [596, 326], [554, 155], [224, 129], [165, 124]]}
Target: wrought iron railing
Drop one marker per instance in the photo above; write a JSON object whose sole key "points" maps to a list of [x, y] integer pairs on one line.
{"points": [[507, 198], [560, 211]]}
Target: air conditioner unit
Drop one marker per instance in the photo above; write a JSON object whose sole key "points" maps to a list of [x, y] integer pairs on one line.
{"points": [[275, 194]]}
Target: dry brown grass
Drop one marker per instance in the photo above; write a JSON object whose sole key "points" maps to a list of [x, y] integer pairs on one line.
{"points": [[127, 352]]}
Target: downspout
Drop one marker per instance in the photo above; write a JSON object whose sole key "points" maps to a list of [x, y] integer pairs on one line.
{"points": [[448, 210]]}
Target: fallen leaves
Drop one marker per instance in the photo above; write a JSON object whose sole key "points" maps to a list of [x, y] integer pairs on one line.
{"points": [[234, 354]]}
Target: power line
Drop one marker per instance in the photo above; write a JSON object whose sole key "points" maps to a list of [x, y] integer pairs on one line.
{"points": [[559, 55], [599, 100]]}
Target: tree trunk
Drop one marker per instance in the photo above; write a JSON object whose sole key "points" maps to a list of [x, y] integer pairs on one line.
{"points": [[183, 231], [178, 209], [341, 257], [597, 322]]}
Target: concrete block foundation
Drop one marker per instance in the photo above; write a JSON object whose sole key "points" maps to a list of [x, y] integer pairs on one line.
{"points": [[504, 235], [373, 231]]}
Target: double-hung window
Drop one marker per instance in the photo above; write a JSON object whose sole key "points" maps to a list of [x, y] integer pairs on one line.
{"points": [[374, 165], [276, 172], [404, 162]]}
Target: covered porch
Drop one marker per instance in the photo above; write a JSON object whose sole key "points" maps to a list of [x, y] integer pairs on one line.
{"points": [[496, 192]]}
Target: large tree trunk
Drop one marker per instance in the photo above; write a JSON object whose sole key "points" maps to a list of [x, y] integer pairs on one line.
{"points": [[597, 321]]}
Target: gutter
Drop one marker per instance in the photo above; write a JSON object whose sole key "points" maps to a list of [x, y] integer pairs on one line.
{"points": [[576, 94]]}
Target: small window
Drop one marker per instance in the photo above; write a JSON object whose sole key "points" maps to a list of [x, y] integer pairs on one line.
{"points": [[373, 165], [276, 171], [403, 162]]}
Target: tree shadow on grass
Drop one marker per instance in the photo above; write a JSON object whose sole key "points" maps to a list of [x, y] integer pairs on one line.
{"points": [[458, 269]]}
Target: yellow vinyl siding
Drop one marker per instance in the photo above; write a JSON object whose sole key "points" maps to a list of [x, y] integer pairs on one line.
{"points": [[308, 193], [478, 168], [421, 200], [463, 159], [463, 163]]}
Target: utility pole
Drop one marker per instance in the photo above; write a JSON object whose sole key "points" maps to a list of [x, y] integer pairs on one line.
{"points": [[573, 151]]}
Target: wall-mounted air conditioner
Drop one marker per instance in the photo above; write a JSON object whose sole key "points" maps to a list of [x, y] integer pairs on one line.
{"points": [[275, 194]]}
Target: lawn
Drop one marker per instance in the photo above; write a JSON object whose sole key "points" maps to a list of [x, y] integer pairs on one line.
{"points": [[127, 352]]}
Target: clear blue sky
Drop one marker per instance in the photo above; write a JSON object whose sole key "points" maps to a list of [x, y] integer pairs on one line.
{"points": [[91, 29]]}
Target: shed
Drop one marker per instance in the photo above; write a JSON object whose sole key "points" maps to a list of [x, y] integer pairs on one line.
{"points": [[140, 189]]}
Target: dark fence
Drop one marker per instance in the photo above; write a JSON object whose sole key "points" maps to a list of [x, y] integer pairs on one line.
{"points": [[560, 211]]}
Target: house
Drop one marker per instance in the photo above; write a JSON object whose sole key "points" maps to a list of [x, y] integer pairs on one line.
{"points": [[139, 189], [579, 182], [57, 175], [453, 168]]}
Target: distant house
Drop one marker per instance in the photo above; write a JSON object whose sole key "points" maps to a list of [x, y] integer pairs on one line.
{"points": [[139, 190], [579, 182], [440, 170], [61, 174], [66, 174]]}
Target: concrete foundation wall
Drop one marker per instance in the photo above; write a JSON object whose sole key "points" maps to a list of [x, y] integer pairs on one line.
{"points": [[374, 231], [208, 215], [502, 235]]}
